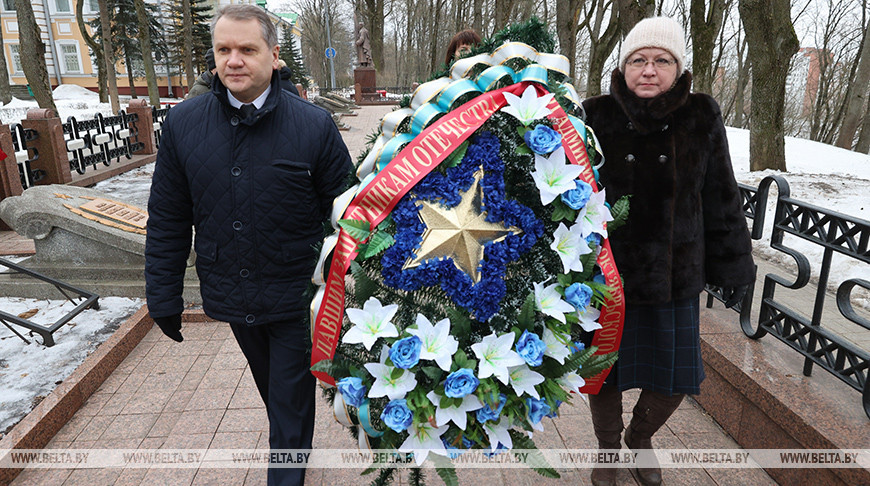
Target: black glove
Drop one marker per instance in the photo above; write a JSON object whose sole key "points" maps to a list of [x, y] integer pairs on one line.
{"points": [[736, 295], [171, 326]]}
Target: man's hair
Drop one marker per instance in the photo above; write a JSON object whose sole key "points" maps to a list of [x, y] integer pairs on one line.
{"points": [[247, 12]]}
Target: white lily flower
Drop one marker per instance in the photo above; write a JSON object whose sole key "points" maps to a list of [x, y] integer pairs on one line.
{"points": [[528, 108], [569, 244], [553, 175], [549, 301], [495, 356], [370, 323], [458, 414], [593, 216], [498, 433], [423, 439], [523, 380], [572, 382], [438, 344], [589, 319], [556, 347], [384, 384]]}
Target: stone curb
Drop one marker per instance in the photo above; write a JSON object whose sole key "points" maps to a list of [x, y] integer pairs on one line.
{"points": [[36, 429]]}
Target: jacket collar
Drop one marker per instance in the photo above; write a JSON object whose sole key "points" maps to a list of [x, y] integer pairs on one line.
{"points": [[220, 91], [649, 115]]}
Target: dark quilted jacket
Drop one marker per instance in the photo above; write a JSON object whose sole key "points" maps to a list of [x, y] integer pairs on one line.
{"points": [[256, 190], [685, 226]]}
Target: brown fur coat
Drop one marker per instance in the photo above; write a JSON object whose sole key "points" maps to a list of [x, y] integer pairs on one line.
{"points": [[685, 226]]}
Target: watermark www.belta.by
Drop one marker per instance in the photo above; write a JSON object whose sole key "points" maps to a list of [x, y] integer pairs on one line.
{"points": [[476, 458]]}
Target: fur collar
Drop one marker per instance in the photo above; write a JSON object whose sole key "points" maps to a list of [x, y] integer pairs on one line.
{"points": [[649, 115]]}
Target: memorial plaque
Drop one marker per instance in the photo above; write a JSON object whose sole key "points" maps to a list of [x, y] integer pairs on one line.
{"points": [[113, 213]]}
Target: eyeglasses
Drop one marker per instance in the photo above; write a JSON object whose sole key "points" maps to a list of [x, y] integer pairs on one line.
{"points": [[658, 63]]}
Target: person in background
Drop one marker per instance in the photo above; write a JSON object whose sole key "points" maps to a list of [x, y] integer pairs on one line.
{"points": [[667, 148], [202, 85], [254, 170], [461, 45], [286, 77]]}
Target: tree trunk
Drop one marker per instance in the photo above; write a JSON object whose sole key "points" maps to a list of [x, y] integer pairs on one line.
{"points": [[858, 96], [147, 59], [108, 54], [633, 11], [705, 26], [188, 44], [373, 16], [5, 90], [477, 16], [743, 67], [33, 55], [98, 53], [600, 48], [567, 28], [863, 145], [772, 43], [503, 9], [131, 80]]}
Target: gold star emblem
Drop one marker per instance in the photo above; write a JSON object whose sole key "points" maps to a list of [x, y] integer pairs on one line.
{"points": [[460, 232]]}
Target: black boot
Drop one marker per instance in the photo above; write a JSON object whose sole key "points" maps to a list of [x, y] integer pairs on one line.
{"points": [[651, 412], [606, 410]]}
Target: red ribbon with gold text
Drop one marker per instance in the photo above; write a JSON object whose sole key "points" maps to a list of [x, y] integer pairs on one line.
{"points": [[412, 164]]}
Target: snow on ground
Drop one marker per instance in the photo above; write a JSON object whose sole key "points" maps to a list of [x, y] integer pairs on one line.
{"points": [[71, 100], [29, 372]]}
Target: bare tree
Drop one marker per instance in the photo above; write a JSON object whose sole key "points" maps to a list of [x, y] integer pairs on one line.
{"points": [[97, 50], [5, 90], [706, 24], [503, 13], [863, 145], [33, 55], [109, 56], [147, 60], [567, 28], [601, 44], [772, 42], [858, 95]]}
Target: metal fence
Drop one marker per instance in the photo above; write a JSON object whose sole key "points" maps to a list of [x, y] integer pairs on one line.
{"points": [[100, 140], [833, 232], [25, 154], [158, 115]]}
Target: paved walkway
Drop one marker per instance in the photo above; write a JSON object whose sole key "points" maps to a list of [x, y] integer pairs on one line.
{"points": [[199, 394]]}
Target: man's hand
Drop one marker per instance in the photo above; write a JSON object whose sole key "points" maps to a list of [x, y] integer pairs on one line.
{"points": [[736, 295], [171, 326]]}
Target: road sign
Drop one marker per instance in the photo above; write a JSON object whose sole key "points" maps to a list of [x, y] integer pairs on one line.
{"points": [[330, 52]]}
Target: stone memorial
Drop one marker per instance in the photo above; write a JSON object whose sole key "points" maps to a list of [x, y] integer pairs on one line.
{"points": [[81, 236]]}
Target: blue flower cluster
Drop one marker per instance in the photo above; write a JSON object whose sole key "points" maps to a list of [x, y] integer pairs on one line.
{"points": [[405, 352], [579, 295], [487, 413], [460, 383], [397, 415], [538, 409], [578, 197], [543, 139], [531, 348], [352, 390], [483, 298]]}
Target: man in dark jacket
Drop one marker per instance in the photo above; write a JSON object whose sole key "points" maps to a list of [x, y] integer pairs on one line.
{"points": [[255, 170], [202, 85]]}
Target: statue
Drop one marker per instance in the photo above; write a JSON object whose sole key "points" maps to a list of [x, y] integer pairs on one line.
{"points": [[364, 47]]}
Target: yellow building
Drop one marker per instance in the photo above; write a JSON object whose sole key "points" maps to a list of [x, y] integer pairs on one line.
{"points": [[67, 55]]}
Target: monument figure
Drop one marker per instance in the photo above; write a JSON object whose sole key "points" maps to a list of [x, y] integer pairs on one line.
{"points": [[364, 47]]}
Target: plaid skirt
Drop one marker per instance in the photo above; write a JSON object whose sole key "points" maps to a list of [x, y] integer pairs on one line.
{"points": [[660, 349]]}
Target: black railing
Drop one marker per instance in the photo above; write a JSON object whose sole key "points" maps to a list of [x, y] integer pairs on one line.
{"points": [[158, 115], [101, 139], [833, 232], [21, 138]]}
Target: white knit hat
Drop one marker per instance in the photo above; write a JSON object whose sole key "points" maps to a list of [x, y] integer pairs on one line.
{"points": [[662, 32]]}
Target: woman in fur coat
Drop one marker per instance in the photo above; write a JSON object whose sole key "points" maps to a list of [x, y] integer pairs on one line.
{"points": [[666, 148]]}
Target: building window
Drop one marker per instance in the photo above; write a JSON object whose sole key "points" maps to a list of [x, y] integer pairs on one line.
{"points": [[93, 6], [62, 6], [9, 5], [16, 58], [70, 59]]}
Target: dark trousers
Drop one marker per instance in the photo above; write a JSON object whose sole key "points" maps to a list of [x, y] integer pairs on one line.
{"points": [[279, 360]]}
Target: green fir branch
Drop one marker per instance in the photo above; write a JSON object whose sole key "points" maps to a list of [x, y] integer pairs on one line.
{"points": [[536, 461]]}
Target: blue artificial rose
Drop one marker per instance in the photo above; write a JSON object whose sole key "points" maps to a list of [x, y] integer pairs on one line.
{"points": [[543, 139], [460, 383], [487, 413], [397, 415], [531, 348], [538, 409], [594, 238], [578, 197], [577, 346], [352, 390], [578, 295], [405, 353], [555, 412]]}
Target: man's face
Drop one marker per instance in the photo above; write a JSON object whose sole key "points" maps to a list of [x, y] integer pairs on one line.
{"points": [[244, 61]]}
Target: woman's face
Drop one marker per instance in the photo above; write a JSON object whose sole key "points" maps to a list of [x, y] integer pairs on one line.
{"points": [[462, 50], [650, 72]]}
